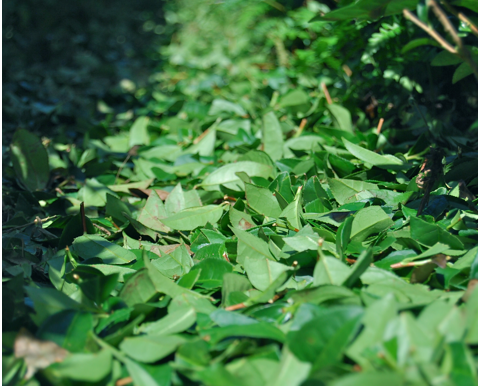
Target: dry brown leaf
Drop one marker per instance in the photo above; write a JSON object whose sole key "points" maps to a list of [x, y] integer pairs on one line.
{"points": [[38, 354]]}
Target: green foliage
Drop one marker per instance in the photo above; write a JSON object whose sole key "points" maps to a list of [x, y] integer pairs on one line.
{"points": [[231, 225]]}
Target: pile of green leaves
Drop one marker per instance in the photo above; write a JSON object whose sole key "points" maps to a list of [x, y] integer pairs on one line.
{"points": [[241, 230]]}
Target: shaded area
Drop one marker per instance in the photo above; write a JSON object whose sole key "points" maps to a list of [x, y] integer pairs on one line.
{"points": [[61, 58]]}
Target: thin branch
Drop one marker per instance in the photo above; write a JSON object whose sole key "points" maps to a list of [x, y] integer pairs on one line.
{"points": [[461, 16], [430, 31], [462, 50], [410, 264]]}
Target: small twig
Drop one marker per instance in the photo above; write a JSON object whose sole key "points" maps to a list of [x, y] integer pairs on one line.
{"points": [[278, 295], [461, 16], [83, 217], [301, 127], [124, 381], [430, 31], [226, 257], [326, 92], [379, 126], [347, 70], [401, 265], [440, 260], [230, 198], [236, 307], [462, 50]]}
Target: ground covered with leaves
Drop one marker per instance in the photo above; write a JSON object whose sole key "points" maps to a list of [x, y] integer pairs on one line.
{"points": [[270, 201]]}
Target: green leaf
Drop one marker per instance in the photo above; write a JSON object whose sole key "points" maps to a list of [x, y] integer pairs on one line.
{"points": [[376, 318], [437, 248], [204, 147], [292, 371], [73, 366], [111, 269], [94, 193], [418, 43], [461, 72], [140, 376], [293, 212], [330, 270], [368, 221], [138, 289], [470, 4], [261, 330], [446, 58], [30, 160], [368, 9], [222, 106], [174, 322], [94, 246], [115, 207], [250, 246], [69, 329], [429, 234], [370, 378], [226, 175], [138, 134], [212, 272], [324, 293], [217, 375], [272, 136], [262, 200], [233, 282], [341, 116], [344, 190], [322, 340], [262, 271], [463, 370], [94, 284], [191, 218], [363, 263], [74, 229], [213, 250], [385, 162], [176, 201], [152, 347], [343, 236], [48, 301], [305, 239], [225, 318], [177, 263]]}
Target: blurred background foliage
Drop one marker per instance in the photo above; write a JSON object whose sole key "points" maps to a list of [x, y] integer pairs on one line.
{"points": [[67, 64], [127, 96]]}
